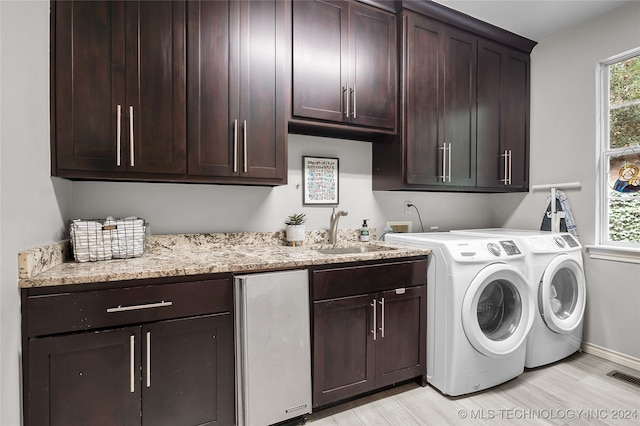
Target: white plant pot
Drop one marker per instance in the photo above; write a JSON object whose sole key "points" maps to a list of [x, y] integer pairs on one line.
{"points": [[295, 233]]}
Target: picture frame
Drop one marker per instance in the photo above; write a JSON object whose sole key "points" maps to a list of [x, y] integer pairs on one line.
{"points": [[321, 181]]}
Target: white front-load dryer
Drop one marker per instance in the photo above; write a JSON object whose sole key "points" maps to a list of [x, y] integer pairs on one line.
{"points": [[554, 268], [479, 310]]}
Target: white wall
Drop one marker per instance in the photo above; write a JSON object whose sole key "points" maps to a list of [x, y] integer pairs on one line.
{"points": [[33, 205], [563, 149], [180, 208]]}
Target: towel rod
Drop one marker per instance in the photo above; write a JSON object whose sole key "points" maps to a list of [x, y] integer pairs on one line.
{"points": [[568, 185], [555, 215]]}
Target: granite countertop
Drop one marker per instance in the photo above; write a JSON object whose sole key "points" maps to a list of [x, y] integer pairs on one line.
{"points": [[194, 254]]}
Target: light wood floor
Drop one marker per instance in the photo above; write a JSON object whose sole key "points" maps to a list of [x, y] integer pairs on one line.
{"points": [[575, 391]]}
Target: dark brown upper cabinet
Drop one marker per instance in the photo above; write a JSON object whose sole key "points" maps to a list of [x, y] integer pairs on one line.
{"points": [[503, 117], [465, 106], [118, 83], [344, 65], [439, 96], [124, 108], [237, 102]]}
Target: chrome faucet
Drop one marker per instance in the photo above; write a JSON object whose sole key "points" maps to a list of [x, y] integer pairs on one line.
{"points": [[333, 226]]}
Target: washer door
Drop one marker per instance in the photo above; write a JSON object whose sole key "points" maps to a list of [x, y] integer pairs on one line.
{"points": [[497, 310], [561, 294]]}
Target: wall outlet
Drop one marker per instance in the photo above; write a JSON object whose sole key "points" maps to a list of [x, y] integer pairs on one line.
{"points": [[407, 208]]}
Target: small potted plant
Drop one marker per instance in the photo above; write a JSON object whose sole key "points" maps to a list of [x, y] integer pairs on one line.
{"points": [[296, 228]]}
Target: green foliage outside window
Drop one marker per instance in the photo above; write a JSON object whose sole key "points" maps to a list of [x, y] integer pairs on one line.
{"points": [[624, 133], [624, 101], [624, 218]]}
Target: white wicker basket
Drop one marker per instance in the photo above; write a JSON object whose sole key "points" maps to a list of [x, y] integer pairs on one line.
{"points": [[104, 239]]}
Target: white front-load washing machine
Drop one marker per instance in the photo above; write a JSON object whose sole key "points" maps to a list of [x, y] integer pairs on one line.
{"points": [[554, 268], [479, 310]]}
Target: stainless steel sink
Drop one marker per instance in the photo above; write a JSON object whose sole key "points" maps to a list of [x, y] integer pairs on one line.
{"points": [[353, 249]]}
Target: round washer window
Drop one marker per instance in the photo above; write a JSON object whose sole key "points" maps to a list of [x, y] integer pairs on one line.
{"points": [[499, 310], [563, 293]]}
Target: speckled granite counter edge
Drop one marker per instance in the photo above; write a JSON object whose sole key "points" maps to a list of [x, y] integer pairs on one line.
{"points": [[193, 254], [34, 261], [40, 259]]}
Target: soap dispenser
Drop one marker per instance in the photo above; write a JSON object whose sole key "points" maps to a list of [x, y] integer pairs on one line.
{"points": [[364, 231]]}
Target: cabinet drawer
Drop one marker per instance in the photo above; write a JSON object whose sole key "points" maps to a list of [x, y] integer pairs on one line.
{"points": [[354, 280], [66, 312]]}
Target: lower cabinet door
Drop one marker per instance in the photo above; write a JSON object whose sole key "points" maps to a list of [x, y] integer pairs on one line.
{"points": [[177, 372], [85, 379], [187, 372], [401, 340], [343, 358]]}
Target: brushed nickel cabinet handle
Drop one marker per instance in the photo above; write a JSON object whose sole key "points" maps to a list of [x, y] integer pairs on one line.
{"points": [[235, 145], [444, 162], [345, 90], [131, 140], [244, 145], [148, 359], [449, 171], [382, 319], [139, 307], [353, 92], [132, 360], [505, 167], [510, 169], [375, 308], [118, 132]]}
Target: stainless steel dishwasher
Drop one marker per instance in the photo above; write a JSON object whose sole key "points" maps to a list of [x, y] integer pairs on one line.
{"points": [[273, 351]]}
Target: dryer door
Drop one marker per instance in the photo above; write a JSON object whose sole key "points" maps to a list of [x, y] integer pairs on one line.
{"points": [[561, 294], [498, 310]]}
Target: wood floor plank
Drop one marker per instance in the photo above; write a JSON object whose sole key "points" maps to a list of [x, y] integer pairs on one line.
{"points": [[573, 392]]}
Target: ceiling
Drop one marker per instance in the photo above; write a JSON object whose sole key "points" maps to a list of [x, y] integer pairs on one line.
{"points": [[533, 19]]}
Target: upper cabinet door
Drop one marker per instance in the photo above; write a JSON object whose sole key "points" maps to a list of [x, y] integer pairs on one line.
{"points": [[156, 87], [320, 72], [459, 108], [119, 88], [237, 90], [515, 99], [439, 96], [423, 96], [372, 66], [344, 64], [212, 84], [89, 84], [503, 117], [263, 88]]}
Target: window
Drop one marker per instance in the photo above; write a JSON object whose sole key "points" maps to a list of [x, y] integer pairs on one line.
{"points": [[619, 193]]}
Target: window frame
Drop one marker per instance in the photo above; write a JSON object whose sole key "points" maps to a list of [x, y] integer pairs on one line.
{"points": [[603, 157]]}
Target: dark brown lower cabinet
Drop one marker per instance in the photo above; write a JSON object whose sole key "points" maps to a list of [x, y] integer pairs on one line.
{"points": [[84, 379], [363, 342], [176, 371]]}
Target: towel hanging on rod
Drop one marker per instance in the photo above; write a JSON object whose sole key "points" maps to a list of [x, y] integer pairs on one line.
{"points": [[558, 215]]}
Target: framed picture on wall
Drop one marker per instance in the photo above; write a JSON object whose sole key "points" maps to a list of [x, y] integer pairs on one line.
{"points": [[320, 176]]}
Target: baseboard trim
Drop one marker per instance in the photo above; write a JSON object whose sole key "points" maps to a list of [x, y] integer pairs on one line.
{"points": [[610, 355]]}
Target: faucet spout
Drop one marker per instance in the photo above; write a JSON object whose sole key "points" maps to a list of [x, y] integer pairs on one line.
{"points": [[333, 224]]}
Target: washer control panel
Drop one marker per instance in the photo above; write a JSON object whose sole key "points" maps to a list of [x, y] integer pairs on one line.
{"points": [[510, 247]]}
